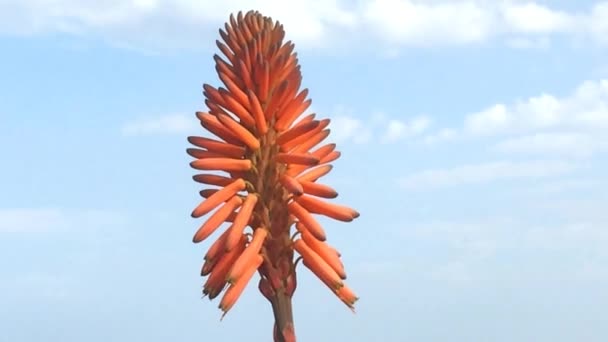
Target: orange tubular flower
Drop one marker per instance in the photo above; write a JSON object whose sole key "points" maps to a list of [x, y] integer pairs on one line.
{"points": [[272, 159]]}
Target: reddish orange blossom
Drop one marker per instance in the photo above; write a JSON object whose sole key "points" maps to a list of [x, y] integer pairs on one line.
{"points": [[261, 173]]}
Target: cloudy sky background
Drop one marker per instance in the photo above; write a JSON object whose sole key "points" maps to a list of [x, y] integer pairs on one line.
{"points": [[474, 145]]}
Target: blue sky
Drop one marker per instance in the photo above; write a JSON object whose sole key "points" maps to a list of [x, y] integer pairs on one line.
{"points": [[473, 145]]}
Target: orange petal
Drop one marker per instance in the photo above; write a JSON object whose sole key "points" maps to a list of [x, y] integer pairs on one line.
{"points": [[241, 132], [241, 221], [221, 196], [314, 174], [227, 39], [320, 153], [228, 150], [245, 74], [212, 179], [296, 131], [273, 103], [284, 98], [289, 102], [206, 193], [217, 248], [330, 157], [323, 250], [244, 28], [234, 89], [201, 154], [307, 137], [215, 109], [283, 52], [297, 158], [324, 150], [217, 279], [307, 220], [208, 266], [213, 125], [222, 164], [217, 219], [334, 211], [225, 49], [291, 112], [317, 265], [317, 138], [237, 108], [347, 296], [235, 290], [248, 256], [258, 112], [305, 119], [319, 190], [264, 83], [312, 141], [291, 184], [213, 95], [290, 64], [231, 217]]}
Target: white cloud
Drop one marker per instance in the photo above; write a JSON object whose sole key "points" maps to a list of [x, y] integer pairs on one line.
{"points": [[569, 236], [346, 128], [397, 129], [165, 25], [427, 23], [480, 238], [485, 173], [564, 185], [586, 107], [528, 42], [453, 272], [571, 125], [534, 18], [34, 220], [598, 22], [37, 285], [378, 127], [444, 134], [569, 144], [489, 120], [31, 220], [168, 124]]}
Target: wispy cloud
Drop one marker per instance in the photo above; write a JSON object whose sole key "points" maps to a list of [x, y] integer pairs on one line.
{"points": [[564, 185], [161, 125], [38, 285], [348, 128], [35, 220], [398, 129], [442, 135], [531, 17], [568, 144], [485, 173], [314, 23], [585, 108], [377, 128], [572, 125], [31, 220]]}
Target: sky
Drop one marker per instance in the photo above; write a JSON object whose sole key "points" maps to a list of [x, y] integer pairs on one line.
{"points": [[473, 145]]}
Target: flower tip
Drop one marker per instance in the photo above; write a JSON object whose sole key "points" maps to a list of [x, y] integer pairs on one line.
{"points": [[223, 313]]}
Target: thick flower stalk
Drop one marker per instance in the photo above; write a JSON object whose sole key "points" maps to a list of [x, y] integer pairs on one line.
{"points": [[263, 170]]}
